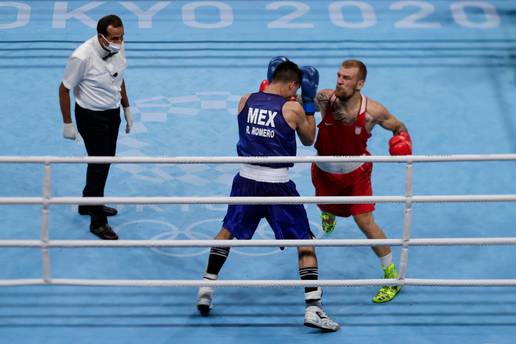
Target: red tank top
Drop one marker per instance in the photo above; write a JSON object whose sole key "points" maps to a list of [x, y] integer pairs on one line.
{"points": [[336, 138]]}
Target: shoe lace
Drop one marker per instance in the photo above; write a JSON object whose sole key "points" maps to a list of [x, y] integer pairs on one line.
{"points": [[386, 293]]}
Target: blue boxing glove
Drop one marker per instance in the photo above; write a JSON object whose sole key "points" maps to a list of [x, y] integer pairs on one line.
{"points": [[309, 84], [273, 64]]}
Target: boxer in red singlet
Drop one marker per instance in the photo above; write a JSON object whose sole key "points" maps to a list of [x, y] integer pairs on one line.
{"points": [[348, 118]]}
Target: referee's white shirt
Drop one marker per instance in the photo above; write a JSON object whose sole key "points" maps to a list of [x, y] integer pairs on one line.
{"points": [[96, 83]]}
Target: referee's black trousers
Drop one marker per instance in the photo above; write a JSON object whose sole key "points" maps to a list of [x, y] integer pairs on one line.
{"points": [[99, 129]]}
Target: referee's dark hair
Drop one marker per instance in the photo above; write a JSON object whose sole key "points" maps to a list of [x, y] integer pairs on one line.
{"points": [[287, 71], [105, 21]]}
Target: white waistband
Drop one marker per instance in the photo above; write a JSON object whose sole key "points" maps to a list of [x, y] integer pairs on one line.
{"points": [[339, 167], [264, 174]]}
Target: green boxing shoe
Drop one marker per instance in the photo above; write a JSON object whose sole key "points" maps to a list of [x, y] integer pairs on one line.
{"points": [[328, 222], [387, 293]]}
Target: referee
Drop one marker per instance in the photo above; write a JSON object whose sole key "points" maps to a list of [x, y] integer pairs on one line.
{"points": [[95, 73]]}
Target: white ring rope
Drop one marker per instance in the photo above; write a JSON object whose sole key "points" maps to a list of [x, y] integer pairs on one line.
{"points": [[258, 200], [248, 160], [46, 200], [265, 283], [261, 243]]}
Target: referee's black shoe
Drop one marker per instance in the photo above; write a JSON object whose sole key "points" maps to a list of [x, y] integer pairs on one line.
{"points": [[105, 232], [108, 211]]}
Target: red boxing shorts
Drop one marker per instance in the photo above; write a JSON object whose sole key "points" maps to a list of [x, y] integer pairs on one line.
{"points": [[355, 183]]}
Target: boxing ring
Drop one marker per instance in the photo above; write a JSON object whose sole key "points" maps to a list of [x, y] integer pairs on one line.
{"points": [[408, 199], [445, 68]]}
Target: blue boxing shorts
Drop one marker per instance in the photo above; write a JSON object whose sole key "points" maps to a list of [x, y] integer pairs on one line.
{"points": [[288, 221]]}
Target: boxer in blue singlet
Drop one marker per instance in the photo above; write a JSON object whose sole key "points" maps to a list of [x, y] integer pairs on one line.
{"points": [[268, 122]]}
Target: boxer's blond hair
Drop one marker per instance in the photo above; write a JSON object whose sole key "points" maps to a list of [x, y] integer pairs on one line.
{"points": [[362, 69]]}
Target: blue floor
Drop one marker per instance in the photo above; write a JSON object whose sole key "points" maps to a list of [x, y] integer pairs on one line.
{"points": [[445, 68]]}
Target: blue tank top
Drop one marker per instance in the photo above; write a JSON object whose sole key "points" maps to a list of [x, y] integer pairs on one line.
{"points": [[263, 130]]}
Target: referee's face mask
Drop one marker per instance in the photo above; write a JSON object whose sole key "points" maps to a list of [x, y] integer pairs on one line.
{"points": [[111, 46], [116, 38]]}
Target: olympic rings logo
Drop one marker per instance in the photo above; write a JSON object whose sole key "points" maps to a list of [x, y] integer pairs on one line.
{"points": [[170, 231]]}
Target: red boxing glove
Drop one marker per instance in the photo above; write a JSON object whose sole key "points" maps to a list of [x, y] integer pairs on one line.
{"points": [[400, 144], [264, 85]]}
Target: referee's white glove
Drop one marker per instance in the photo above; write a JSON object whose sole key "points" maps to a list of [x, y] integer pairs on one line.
{"points": [[128, 119], [69, 132]]}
